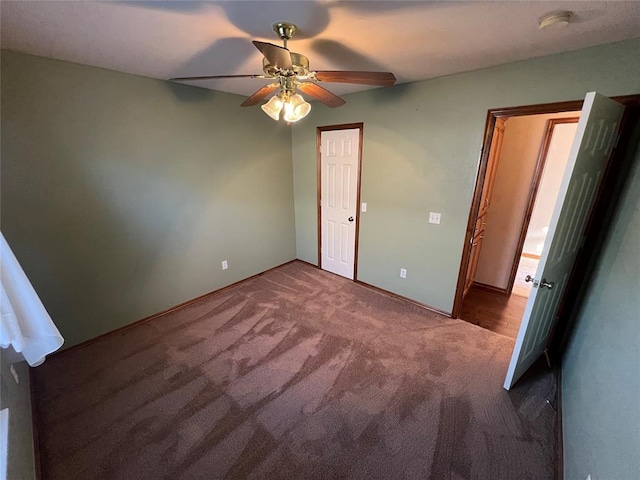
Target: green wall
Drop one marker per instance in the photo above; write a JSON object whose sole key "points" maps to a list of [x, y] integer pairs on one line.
{"points": [[601, 366], [421, 150], [121, 195]]}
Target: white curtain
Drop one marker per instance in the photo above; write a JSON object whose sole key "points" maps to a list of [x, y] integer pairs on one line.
{"points": [[26, 326]]}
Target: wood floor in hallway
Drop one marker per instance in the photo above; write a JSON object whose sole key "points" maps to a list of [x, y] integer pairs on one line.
{"points": [[494, 311]]}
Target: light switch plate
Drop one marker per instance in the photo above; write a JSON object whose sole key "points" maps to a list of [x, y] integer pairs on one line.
{"points": [[364, 207], [434, 217], [403, 273], [225, 265]]}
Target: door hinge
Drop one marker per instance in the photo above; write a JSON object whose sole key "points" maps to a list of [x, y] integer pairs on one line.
{"points": [[582, 242], [617, 140], [614, 145], [546, 356]]}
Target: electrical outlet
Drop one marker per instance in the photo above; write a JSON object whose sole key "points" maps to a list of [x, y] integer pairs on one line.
{"points": [[403, 273], [364, 207], [14, 373], [434, 217], [225, 265]]}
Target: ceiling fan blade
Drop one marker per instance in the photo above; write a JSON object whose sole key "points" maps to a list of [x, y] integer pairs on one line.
{"points": [[322, 94], [277, 56], [212, 77], [385, 79], [260, 95]]}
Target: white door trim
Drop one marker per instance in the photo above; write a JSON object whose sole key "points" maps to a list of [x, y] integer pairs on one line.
{"points": [[319, 130]]}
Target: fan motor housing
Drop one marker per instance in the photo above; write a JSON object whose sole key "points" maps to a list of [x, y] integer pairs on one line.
{"points": [[300, 67]]}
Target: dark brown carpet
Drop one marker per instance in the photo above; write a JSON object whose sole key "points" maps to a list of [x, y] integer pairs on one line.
{"points": [[294, 374]]}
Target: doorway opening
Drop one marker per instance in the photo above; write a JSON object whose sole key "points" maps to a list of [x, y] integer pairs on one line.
{"points": [[586, 184], [339, 165], [525, 168], [554, 153]]}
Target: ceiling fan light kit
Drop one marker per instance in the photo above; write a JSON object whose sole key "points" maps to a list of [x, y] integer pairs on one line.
{"points": [[291, 73], [294, 106], [273, 107]]}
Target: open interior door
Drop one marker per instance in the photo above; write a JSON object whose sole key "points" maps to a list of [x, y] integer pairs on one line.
{"points": [[485, 203], [595, 138]]}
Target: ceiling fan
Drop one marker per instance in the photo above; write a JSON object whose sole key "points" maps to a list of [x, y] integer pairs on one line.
{"points": [[291, 74]]}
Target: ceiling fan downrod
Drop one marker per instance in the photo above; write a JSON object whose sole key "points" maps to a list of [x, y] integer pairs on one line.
{"points": [[285, 31]]}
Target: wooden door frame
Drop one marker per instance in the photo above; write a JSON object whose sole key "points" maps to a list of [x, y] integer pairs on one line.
{"points": [[533, 192], [492, 116], [483, 210], [328, 128]]}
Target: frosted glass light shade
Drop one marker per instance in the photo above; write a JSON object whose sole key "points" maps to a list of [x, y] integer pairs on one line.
{"points": [[273, 107], [296, 108]]}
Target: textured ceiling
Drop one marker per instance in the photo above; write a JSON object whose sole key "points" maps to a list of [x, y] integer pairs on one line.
{"points": [[414, 40]]}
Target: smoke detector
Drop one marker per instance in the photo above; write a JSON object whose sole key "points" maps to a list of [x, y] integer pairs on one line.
{"points": [[555, 20]]}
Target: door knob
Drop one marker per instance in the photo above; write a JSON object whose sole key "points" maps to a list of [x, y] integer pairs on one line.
{"points": [[351, 219], [546, 284], [528, 278]]}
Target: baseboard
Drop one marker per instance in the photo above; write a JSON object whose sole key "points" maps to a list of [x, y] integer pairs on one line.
{"points": [[391, 294], [405, 299], [308, 263], [559, 432], [201, 297], [491, 288], [162, 313]]}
